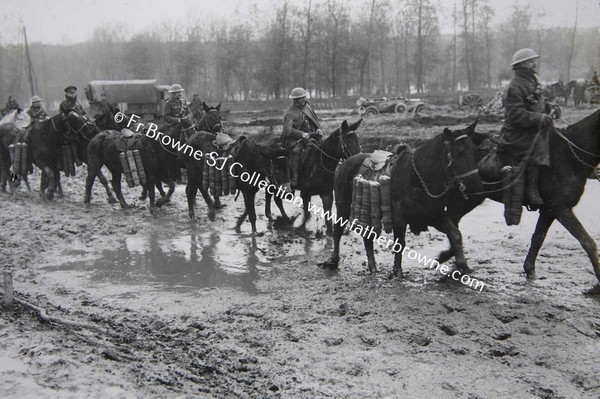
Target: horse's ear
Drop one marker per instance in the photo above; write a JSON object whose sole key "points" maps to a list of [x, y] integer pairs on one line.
{"points": [[345, 127], [218, 107], [471, 128], [448, 134], [356, 125], [205, 106]]}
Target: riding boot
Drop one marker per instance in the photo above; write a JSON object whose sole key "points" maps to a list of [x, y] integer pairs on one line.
{"points": [[533, 195], [294, 158]]}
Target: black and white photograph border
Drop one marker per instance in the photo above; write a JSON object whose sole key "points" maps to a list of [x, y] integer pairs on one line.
{"points": [[433, 166]]}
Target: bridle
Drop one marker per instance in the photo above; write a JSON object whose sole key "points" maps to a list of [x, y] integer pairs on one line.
{"points": [[455, 181], [343, 147], [217, 123]]}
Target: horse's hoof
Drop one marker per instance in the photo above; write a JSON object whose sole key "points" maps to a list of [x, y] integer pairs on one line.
{"points": [[531, 276], [595, 290], [329, 264], [142, 198], [112, 201]]}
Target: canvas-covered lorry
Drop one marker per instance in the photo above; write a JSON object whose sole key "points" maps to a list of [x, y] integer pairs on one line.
{"points": [[141, 97]]}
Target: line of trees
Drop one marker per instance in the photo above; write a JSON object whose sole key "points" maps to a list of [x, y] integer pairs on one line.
{"points": [[380, 47]]}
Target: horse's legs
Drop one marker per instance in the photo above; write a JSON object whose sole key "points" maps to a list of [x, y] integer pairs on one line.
{"points": [[447, 226], [104, 181], [151, 183], [160, 189], [371, 264], [305, 201], [165, 198], [249, 203], [43, 184], [190, 190], [268, 205], [279, 203], [543, 224], [209, 202], [89, 183], [327, 200], [400, 237], [116, 183], [572, 224], [48, 181], [58, 185], [26, 180]]}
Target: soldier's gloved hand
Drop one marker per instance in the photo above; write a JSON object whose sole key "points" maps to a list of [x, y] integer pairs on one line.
{"points": [[319, 132], [547, 120], [305, 135]]}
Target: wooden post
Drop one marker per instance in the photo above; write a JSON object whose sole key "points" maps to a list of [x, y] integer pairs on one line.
{"points": [[8, 289]]}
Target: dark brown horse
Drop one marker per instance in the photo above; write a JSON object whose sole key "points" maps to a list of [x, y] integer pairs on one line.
{"points": [[573, 157], [318, 164], [422, 182], [45, 141], [266, 161], [102, 150]]}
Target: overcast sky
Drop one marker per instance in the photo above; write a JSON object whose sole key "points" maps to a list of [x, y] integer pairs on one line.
{"points": [[72, 21]]}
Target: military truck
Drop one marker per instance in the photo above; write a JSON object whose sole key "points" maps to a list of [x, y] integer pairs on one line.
{"points": [[145, 97]]}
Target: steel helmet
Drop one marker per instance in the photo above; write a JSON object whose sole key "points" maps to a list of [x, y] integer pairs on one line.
{"points": [[35, 99], [298, 92], [523, 55], [175, 88]]}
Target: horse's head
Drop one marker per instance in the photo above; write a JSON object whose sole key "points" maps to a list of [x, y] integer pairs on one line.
{"points": [[462, 159], [345, 140], [77, 126], [211, 121]]}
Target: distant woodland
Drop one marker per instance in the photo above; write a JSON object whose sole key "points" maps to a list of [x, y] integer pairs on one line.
{"points": [[381, 48]]}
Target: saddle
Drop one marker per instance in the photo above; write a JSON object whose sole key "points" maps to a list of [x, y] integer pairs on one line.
{"points": [[128, 140], [223, 142], [377, 164]]}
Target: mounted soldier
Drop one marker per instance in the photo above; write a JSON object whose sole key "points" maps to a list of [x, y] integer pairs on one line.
{"points": [[11, 105], [35, 111], [105, 107], [71, 104], [525, 130], [196, 108], [299, 124]]}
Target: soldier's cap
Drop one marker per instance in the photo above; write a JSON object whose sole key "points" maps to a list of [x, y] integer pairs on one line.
{"points": [[69, 88], [35, 99]]}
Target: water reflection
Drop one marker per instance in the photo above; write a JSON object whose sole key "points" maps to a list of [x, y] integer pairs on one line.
{"points": [[192, 260]]}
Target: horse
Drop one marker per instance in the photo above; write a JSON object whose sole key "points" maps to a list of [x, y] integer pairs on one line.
{"points": [[102, 150], [269, 163], [555, 90], [318, 164], [422, 181], [45, 140], [573, 156], [8, 134]]}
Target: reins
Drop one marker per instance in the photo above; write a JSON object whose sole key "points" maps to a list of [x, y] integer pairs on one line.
{"points": [[450, 183]]}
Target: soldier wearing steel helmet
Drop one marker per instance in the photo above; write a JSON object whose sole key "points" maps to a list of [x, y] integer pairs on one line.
{"points": [[526, 122], [176, 109], [300, 122], [35, 111]]}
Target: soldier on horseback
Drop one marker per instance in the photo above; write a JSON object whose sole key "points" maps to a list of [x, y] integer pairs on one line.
{"points": [[525, 130], [36, 112], [299, 124], [176, 109], [71, 104]]}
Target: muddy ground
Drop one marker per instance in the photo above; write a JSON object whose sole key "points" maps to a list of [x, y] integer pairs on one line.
{"points": [[177, 309]]}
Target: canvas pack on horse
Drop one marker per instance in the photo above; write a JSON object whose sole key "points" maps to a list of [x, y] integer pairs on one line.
{"points": [[422, 181], [573, 156], [317, 166], [266, 161], [104, 149]]}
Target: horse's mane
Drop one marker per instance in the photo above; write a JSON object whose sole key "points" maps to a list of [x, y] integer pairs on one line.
{"points": [[584, 123]]}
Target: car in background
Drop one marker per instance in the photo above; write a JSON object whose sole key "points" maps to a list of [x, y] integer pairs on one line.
{"points": [[398, 105]]}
